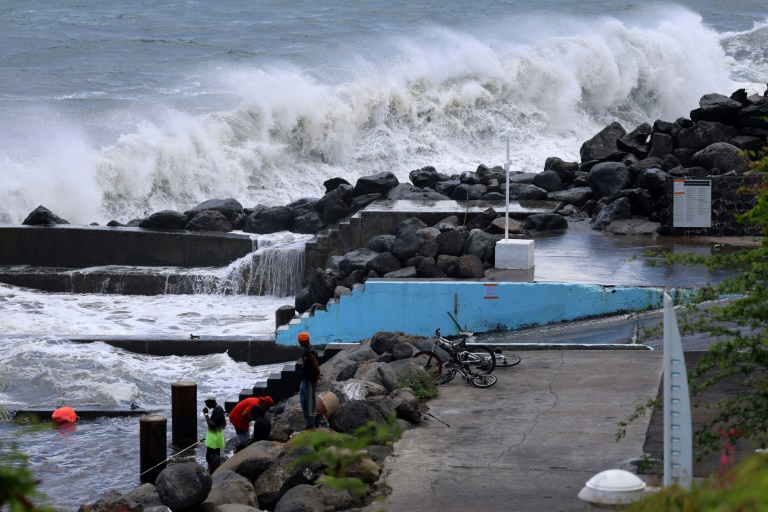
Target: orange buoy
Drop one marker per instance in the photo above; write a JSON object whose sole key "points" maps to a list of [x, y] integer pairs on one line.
{"points": [[64, 415]]}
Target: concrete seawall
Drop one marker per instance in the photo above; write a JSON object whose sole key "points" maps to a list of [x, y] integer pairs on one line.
{"points": [[88, 246], [420, 307]]}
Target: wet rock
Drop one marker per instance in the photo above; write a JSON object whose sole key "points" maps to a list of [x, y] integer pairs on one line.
{"points": [[269, 220], [482, 245], [566, 170], [408, 272], [356, 260], [229, 207], [380, 183], [378, 373], [333, 183], [602, 144], [541, 222], [522, 191], [384, 263], [381, 243], [209, 220], [619, 209], [361, 202], [608, 178], [468, 266], [716, 107], [450, 243], [165, 219], [406, 244], [183, 486], [548, 180], [231, 488], [636, 141], [42, 216], [406, 404], [703, 134]]}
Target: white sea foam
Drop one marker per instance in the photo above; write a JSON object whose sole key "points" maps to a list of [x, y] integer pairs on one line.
{"points": [[25, 311], [442, 97]]}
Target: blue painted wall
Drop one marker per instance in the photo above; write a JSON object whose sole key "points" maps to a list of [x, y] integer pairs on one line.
{"points": [[420, 307]]}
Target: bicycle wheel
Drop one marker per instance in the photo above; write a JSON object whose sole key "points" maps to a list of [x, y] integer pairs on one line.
{"points": [[481, 359], [444, 378], [430, 362], [484, 381], [506, 360]]}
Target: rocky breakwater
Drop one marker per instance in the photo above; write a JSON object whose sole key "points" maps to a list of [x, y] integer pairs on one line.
{"points": [[371, 381]]}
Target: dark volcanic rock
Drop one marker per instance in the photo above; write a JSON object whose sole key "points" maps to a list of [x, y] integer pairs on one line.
{"points": [[165, 219], [209, 220], [723, 156], [608, 178], [269, 220], [42, 216], [540, 222], [229, 207], [619, 209], [183, 486], [380, 183], [602, 144], [468, 266]]}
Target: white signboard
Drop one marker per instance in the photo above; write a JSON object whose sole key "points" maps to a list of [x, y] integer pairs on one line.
{"points": [[692, 204]]}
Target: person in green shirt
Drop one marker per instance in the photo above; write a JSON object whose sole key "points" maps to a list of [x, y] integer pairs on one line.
{"points": [[214, 436]]}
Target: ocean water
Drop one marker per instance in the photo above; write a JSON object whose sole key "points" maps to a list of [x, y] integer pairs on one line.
{"points": [[115, 110]]}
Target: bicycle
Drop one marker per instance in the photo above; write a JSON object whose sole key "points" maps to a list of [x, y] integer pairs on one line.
{"points": [[481, 362]]}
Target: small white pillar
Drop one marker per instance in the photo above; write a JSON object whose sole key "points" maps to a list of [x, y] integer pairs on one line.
{"points": [[614, 489], [514, 254]]}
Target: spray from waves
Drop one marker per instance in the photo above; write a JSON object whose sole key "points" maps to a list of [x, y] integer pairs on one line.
{"points": [[50, 371], [442, 98], [748, 52]]}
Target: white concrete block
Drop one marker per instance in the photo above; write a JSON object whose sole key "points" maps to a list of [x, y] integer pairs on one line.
{"points": [[514, 254]]}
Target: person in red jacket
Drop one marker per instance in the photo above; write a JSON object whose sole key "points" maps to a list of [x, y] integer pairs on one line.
{"points": [[241, 415]]}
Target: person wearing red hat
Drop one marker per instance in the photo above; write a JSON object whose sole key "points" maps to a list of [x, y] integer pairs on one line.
{"points": [[310, 373], [241, 415]]}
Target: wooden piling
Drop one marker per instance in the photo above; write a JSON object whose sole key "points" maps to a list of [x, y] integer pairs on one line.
{"points": [[153, 447], [183, 413]]}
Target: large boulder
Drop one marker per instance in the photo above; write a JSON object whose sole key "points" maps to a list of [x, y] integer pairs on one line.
{"points": [[378, 373], [302, 498], [566, 170], [381, 243], [661, 145], [356, 260], [42, 216], [607, 178], [541, 222], [602, 144], [703, 134], [716, 107], [619, 209], [165, 219], [406, 245], [468, 266], [269, 220], [548, 180], [364, 200], [755, 115], [426, 177], [229, 487], [183, 486], [282, 476], [482, 245], [526, 192], [636, 141], [113, 501], [384, 263], [380, 183], [345, 358], [209, 220], [228, 207], [354, 415], [384, 341], [723, 156], [450, 243], [576, 196]]}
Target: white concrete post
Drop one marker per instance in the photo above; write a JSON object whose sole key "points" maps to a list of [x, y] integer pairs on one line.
{"points": [[512, 254]]}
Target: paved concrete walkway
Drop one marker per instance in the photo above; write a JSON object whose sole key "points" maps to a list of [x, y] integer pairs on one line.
{"points": [[529, 443]]}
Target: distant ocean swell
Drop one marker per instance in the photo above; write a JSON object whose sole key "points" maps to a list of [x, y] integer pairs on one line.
{"points": [[449, 101]]}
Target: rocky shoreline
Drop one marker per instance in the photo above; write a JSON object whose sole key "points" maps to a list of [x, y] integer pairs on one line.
{"points": [[368, 382]]}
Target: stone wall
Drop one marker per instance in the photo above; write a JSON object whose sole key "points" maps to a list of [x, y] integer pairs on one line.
{"points": [[728, 200]]}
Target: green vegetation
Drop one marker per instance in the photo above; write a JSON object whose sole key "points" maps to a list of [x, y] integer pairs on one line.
{"points": [[17, 486], [744, 487], [344, 456], [421, 384]]}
